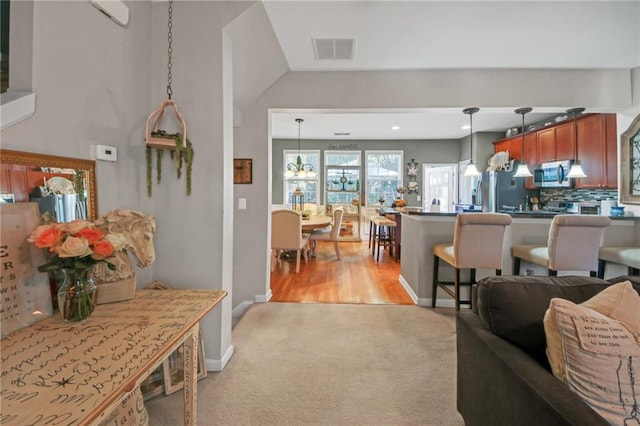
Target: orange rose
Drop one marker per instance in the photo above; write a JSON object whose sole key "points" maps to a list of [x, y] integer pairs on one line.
{"points": [[49, 237], [74, 247], [102, 250], [37, 232], [90, 234]]}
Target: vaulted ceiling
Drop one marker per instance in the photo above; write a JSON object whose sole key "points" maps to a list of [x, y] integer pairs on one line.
{"points": [[428, 35]]}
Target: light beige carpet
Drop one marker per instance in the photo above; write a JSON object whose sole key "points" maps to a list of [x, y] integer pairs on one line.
{"points": [[322, 364]]}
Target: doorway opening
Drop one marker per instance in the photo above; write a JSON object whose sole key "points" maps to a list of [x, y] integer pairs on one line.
{"points": [[439, 187]]}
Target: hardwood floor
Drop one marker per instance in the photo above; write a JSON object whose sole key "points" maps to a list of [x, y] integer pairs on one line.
{"points": [[356, 278]]}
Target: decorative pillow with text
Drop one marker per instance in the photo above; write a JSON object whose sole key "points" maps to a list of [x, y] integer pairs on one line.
{"points": [[595, 349]]}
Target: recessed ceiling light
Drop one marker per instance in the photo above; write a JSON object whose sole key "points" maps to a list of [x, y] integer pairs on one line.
{"points": [[465, 127], [395, 127]]}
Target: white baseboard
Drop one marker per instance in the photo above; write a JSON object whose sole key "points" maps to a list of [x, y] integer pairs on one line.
{"points": [[219, 364], [263, 298], [412, 294], [239, 310]]}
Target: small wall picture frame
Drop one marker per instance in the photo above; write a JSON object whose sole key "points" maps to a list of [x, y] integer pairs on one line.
{"points": [[242, 170]]}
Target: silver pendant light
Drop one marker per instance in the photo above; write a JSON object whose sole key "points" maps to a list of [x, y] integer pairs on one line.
{"points": [[471, 169], [523, 169], [576, 171]]}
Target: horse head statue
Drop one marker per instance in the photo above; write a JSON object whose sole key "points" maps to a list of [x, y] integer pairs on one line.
{"points": [[138, 230]]}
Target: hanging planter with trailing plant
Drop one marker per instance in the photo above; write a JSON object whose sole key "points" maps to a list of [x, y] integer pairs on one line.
{"points": [[159, 140]]}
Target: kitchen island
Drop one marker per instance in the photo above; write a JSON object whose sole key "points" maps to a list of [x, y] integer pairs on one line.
{"points": [[421, 230]]}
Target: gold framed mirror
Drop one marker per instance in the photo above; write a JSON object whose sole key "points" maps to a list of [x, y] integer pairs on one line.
{"points": [[630, 161], [24, 173]]}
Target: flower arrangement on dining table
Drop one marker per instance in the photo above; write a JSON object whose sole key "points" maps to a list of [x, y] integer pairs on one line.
{"points": [[75, 248], [400, 202]]}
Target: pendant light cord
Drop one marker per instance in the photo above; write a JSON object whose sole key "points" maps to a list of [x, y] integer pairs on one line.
{"points": [[169, 50], [299, 120]]}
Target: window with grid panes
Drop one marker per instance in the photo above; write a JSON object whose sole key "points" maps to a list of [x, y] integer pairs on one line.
{"points": [[383, 175]]}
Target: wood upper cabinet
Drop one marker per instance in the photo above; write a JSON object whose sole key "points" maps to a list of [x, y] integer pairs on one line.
{"points": [[557, 143], [513, 145], [565, 141], [529, 156], [592, 139], [546, 145], [502, 145], [597, 151]]}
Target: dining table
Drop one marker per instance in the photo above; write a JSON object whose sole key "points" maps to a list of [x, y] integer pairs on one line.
{"points": [[316, 222]]}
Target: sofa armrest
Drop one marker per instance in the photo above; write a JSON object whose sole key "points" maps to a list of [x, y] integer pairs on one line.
{"points": [[499, 384]]}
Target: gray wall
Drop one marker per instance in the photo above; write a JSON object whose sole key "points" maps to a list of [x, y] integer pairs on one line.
{"points": [[425, 151], [96, 82]]}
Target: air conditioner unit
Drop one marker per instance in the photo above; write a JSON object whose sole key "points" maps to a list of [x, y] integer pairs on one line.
{"points": [[114, 9]]}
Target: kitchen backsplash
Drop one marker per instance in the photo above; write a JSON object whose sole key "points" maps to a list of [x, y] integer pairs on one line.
{"points": [[568, 194]]}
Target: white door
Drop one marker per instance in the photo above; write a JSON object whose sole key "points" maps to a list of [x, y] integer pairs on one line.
{"points": [[439, 186]]}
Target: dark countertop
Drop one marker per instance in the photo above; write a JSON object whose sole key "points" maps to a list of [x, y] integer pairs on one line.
{"points": [[523, 215]]}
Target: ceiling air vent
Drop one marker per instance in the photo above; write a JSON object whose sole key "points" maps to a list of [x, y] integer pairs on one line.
{"points": [[333, 48]]}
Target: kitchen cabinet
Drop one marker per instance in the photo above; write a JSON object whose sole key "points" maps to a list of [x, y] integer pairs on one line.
{"points": [[513, 145], [530, 156], [556, 143], [565, 141], [597, 151]]}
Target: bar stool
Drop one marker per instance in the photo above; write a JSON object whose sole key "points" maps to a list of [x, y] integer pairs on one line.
{"points": [[572, 245], [477, 243], [628, 256], [383, 235]]}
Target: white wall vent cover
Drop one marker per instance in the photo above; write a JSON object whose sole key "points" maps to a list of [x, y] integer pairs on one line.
{"points": [[334, 48]]}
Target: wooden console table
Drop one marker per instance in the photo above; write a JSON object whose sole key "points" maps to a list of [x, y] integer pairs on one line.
{"points": [[77, 373]]}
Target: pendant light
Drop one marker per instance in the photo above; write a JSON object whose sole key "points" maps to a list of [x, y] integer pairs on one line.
{"points": [[299, 168], [471, 169], [523, 169], [576, 169]]}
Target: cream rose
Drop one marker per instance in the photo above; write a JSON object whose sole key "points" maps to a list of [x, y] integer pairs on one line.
{"points": [[74, 247], [117, 240], [76, 226]]}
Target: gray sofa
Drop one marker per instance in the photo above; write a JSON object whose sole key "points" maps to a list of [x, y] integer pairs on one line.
{"points": [[503, 377]]}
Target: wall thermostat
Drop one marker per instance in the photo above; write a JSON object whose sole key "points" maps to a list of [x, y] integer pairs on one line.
{"points": [[106, 153]]}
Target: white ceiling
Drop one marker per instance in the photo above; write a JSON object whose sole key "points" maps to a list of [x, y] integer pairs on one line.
{"points": [[480, 34]]}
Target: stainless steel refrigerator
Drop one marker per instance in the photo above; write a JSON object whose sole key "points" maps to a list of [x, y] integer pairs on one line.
{"points": [[500, 191]]}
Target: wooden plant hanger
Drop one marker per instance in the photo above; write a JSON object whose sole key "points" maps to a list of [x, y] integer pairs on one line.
{"points": [[159, 140]]}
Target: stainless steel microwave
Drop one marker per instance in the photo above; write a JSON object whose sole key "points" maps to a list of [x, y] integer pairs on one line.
{"points": [[552, 175]]}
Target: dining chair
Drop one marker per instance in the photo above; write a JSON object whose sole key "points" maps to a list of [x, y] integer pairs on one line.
{"points": [[572, 245], [332, 234], [477, 243], [286, 234]]}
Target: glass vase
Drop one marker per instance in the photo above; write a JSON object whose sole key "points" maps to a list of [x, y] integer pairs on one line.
{"points": [[77, 296]]}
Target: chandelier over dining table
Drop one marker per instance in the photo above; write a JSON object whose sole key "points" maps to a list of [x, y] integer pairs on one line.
{"points": [[299, 169]]}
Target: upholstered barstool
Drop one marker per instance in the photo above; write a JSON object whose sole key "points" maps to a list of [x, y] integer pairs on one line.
{"points": [[477, 243], [628, 256], [383, 235], [572, 245]]}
